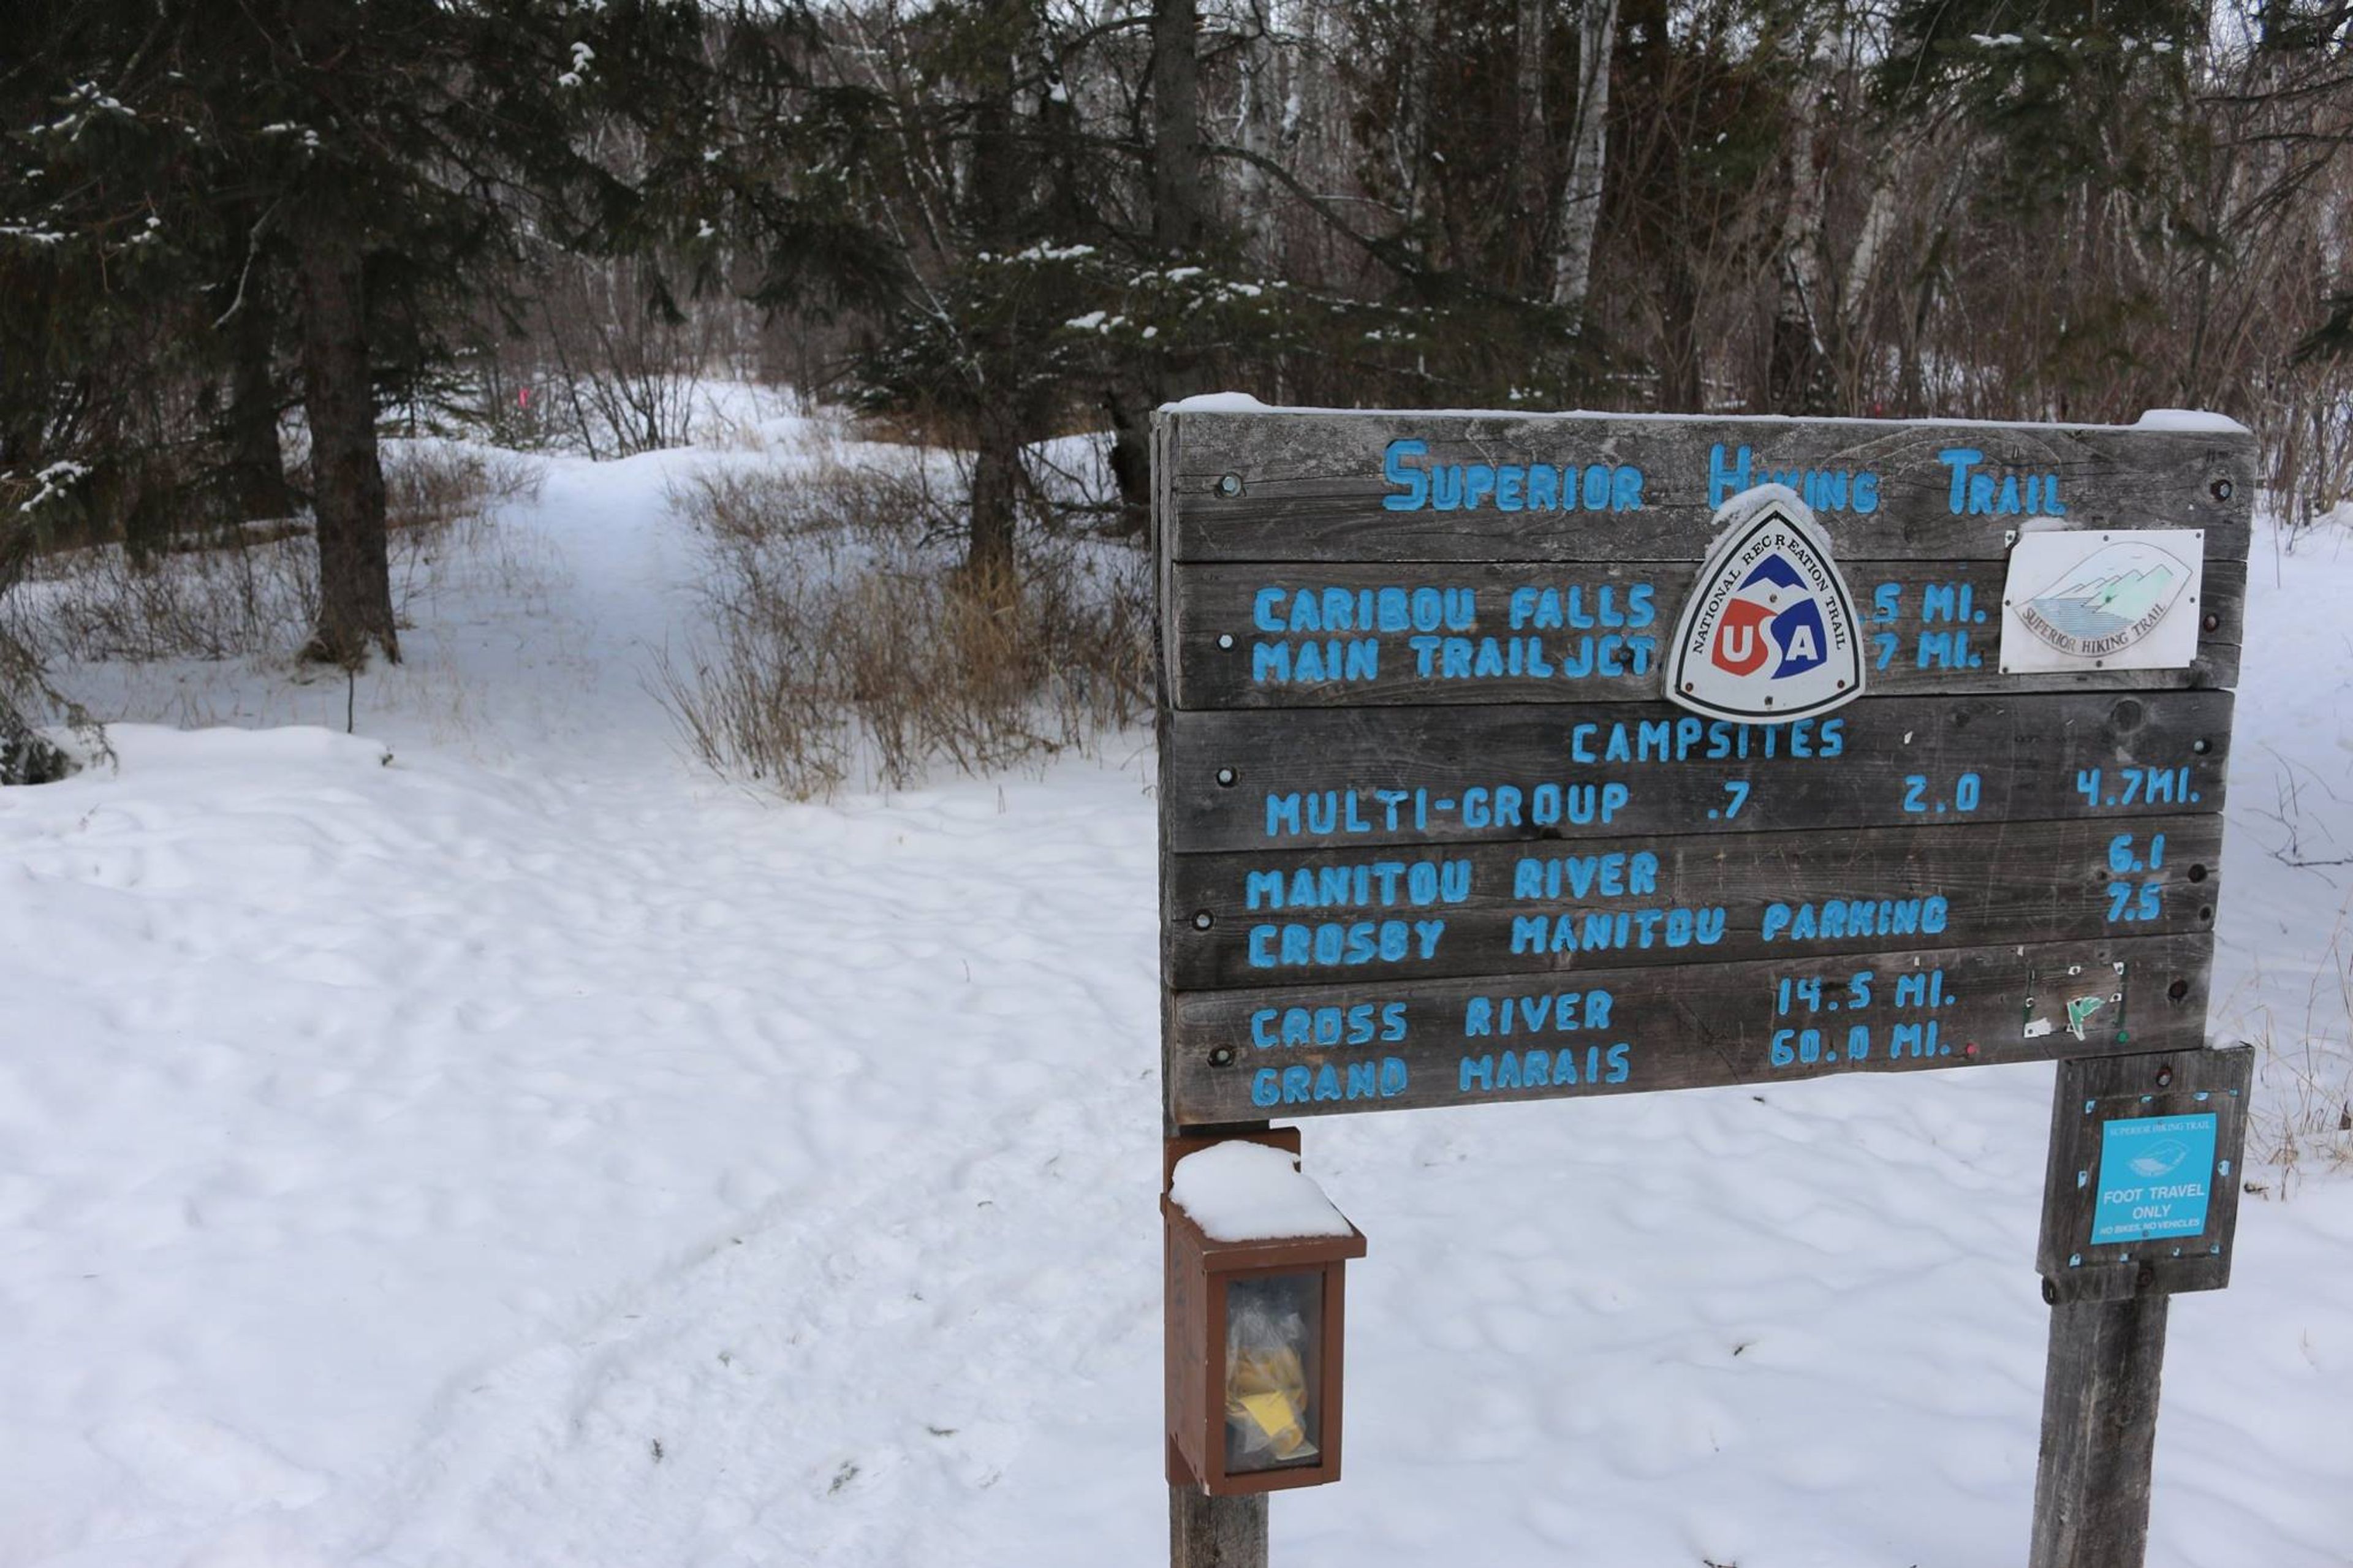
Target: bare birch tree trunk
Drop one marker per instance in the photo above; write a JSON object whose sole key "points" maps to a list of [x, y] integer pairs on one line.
{"points": [[1261, 93], [1853, 317], [1580, 199], [1793, 378]]}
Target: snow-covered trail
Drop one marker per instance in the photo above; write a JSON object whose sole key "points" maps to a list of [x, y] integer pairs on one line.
{"points": [[529, 1151], [542, 1124]]}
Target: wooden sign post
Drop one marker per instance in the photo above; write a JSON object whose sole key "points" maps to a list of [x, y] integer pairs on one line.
{"points": [[1938, 785]]}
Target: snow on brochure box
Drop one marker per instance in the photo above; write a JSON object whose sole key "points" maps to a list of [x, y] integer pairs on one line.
{"points": [[1514, 757]]}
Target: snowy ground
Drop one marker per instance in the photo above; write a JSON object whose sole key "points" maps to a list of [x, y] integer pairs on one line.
{"points": [[488, 1141]]}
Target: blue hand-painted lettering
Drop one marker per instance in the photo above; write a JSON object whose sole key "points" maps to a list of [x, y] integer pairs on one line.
{"points": [[1507, 487], [1836, 919]]}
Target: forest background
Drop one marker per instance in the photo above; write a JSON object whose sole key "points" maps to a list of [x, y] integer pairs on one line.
{"points": [[242, 244]]}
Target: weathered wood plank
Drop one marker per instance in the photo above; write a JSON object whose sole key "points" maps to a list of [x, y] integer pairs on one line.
{"points": [[1311, 778], [1311, 486], [1291, 636], [1163, 469], [2170, 1086], [1445, 1042], [1296, 918], [1206, 1531], [1305, 772], [2100, 1391]]}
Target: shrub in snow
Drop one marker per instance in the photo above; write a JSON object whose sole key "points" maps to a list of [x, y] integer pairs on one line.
{"points": [[848, 641], [28, 758]]}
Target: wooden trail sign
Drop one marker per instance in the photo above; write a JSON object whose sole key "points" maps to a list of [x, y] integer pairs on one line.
{"points": [[1419, 786], [1435, 831]]}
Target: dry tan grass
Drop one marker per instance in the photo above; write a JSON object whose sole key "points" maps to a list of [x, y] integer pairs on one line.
{"points": [[848, 644], [232, 593], [2302, 1116], [434, 485]]}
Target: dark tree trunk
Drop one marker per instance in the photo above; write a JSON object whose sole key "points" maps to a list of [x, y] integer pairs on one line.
{"points": [[996, 490], [1177, 224], [997, 186], [1129, 405], [1532, 184], [1680, 390], [1178, 228], [257, 466], [346, 477], [1796, 383]]}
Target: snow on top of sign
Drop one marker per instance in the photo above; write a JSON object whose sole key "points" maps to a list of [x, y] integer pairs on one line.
{"points": [[1740, 508], [1221, 403], [2155, 419], [2188, 419], [1252, 1192]]}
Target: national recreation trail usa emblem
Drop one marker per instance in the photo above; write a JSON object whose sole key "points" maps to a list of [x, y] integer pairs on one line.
{"points": [[1768, 633], [2114, 599]]}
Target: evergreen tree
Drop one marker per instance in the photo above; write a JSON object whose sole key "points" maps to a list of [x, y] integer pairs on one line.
{"points": [[356, 157]]}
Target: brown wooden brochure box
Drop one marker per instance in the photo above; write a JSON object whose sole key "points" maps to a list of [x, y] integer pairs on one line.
{"points": [[1206, 1279]]}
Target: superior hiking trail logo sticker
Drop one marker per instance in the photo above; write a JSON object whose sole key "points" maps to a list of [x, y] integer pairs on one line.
{"points": [[2121, 599], [1768, 633]]}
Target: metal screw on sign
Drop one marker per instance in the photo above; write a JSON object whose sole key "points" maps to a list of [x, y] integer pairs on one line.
{"points": [[1225, 777], [1225, 639], [1202, 919], [2165, 1077], [1223, 1057], [2221, 490], [1229, 484]]}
